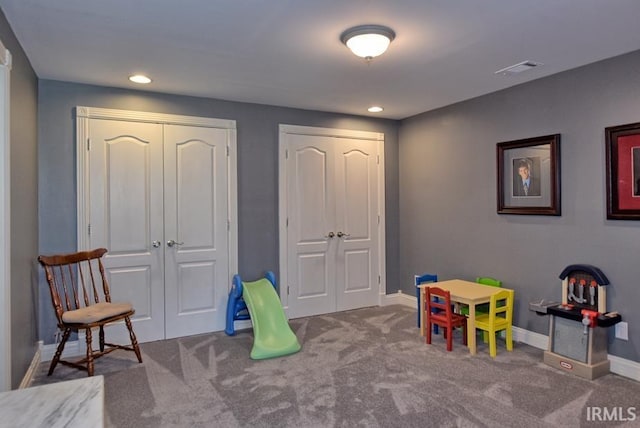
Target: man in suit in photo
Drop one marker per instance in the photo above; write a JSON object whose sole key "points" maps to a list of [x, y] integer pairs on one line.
{"points": [[524, 183]]}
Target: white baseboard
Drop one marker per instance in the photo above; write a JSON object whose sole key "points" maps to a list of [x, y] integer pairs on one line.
{"points": [[399, 298], [33, 367], [531, 338], [625, 368], [71, 349]]}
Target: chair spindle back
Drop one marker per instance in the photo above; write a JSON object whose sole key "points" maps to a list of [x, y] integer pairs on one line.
{"points": [[74, 280]]}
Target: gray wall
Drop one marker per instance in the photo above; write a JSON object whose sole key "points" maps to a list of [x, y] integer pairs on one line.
{"points": [[449, 225], [257, 129], [24, 205]]}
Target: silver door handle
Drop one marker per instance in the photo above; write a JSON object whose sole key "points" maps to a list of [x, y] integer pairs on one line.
{"points": [[171, 243], [330, 235], [341, 234], [156, 244]]}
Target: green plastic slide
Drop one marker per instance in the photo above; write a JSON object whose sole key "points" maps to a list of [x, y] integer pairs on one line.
{"points": [[272, 336]]}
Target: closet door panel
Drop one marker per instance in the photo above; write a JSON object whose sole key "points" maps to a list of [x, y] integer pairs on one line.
{"points": [[196, 213], [311, 206], [357, 217], [126, 203]]}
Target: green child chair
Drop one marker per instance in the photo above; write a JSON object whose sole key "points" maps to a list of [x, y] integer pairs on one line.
{"points": [[484, 308]]}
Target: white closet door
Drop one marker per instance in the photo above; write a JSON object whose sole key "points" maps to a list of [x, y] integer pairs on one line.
{"points": [[357, 221], [311, 216], [126, 216], [195, 216], [159, 192], [333, 231]]}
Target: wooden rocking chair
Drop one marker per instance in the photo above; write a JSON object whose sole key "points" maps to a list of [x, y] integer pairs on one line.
{"points": [[81, 300]]}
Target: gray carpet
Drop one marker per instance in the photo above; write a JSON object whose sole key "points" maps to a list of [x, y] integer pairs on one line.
{"points": [[366, 367]]}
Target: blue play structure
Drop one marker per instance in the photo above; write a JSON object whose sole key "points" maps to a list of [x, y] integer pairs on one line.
{"points": [[259, 302], [236, 306]]}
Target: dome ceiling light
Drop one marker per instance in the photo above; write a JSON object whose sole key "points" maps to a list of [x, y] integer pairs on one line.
{"points": [[368, 41], [140, 78]]}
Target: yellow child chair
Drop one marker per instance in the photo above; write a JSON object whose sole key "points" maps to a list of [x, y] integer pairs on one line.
{"points": [[482, 309], [500, 317]]}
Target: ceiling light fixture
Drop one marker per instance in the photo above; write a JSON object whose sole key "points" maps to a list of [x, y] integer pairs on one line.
{"points": [[368, 41], [140, 78], [375, 109]]}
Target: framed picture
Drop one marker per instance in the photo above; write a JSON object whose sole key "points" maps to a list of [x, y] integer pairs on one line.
{"points": [[623, 171], [529, 176]]}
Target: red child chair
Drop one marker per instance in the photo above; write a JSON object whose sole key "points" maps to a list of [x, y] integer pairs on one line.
{"points": [[438, 312]]}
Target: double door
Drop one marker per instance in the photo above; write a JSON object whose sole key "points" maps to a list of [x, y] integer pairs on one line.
{"points": [[332, 227], [158, 200]]}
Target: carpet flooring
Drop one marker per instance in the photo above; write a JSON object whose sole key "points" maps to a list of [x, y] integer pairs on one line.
{"points": [[362, 368]]}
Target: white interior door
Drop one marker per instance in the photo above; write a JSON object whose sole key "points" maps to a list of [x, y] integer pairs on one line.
{"points": [[126, 216], [160, 196], [197, 265], [311, 214], [332, 223], [357, 272]]}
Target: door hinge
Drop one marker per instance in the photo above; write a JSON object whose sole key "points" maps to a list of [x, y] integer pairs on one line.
{"points": [[228, 225], [378, 159], [286, 154], [287, 290], [227, 151], [378, 279], [88, 144], [89, 229], [287, 222], [378, 219]]}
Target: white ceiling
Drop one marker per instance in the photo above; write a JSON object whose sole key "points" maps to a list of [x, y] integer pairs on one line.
{"points": [[288, 52]]}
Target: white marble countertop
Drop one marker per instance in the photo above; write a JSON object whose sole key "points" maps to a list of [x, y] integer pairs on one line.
{"points": [[74, 403]]}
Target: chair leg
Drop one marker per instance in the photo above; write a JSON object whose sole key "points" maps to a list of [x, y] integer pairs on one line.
{"points": [[485, 336], [428, 334], [134, 341], [89, 353], [509, 339], [464, 334], [101, 336], [56, 357], [492, 344], [448, 332]]}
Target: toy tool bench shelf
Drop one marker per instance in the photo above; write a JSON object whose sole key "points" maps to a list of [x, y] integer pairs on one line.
{"points": [[578, 325]]}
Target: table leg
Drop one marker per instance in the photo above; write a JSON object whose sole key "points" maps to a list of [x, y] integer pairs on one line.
{"points": [[422, 311], [471, 329]]}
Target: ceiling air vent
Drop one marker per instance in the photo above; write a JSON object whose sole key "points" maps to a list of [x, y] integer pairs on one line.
{"points": [[518, 68]]}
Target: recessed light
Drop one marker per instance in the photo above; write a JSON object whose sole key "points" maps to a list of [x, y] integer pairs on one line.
{"points": [[140, 78], [519, 67], [375, 109]]}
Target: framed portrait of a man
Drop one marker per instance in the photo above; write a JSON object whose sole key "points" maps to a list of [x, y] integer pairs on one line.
{"points": [[529, 176], [526, 177]]}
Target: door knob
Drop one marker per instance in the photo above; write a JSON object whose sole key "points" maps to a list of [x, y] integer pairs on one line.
{"points": [[156, 244], [341, 234], [171, 243], [330, 235]]}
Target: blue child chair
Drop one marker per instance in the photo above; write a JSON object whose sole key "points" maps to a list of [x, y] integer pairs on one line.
{"points": [[424, 279]]}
